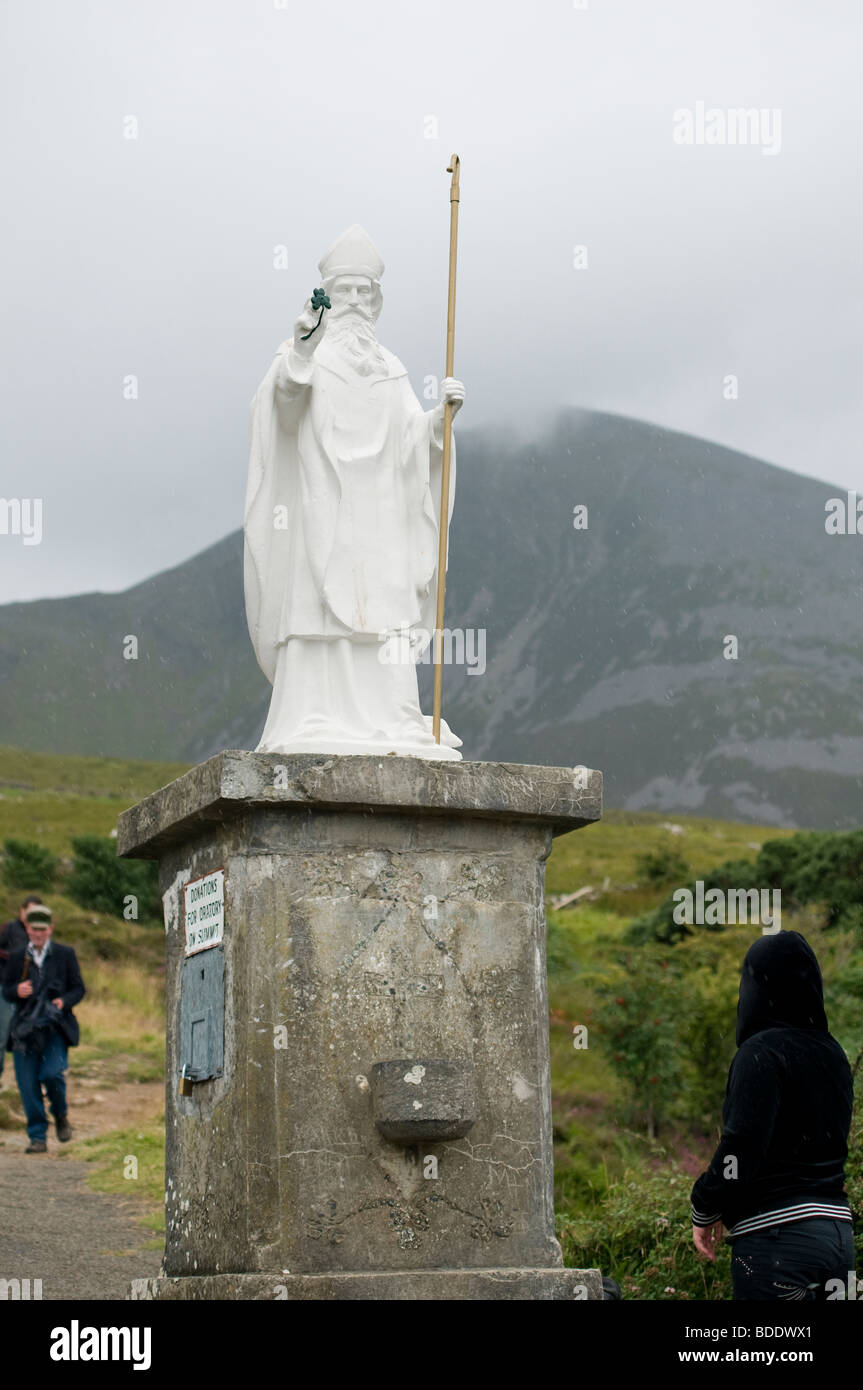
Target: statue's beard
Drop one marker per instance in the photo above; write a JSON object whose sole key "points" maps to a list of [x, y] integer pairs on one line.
{"points": [[352, 333]]}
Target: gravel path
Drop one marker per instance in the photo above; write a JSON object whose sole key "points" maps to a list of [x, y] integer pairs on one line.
{"points": [[81, 1244]]}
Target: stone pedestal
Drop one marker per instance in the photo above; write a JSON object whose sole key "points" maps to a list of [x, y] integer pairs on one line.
{"points": [[381, 1124]]}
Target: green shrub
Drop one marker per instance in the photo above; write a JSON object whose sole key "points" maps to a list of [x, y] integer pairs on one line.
{"points": [[810, 868], [102, 882], [852, 918], [642, 930], [641, 1235], [817, 867], [660, 925], [639, 1033], [661, 866], [27, 864], [706, 1038], [854, 1162]]}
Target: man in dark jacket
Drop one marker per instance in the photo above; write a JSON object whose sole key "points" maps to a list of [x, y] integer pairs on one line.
{"points": [[12, 935], [44, 982], [776, 1181]]}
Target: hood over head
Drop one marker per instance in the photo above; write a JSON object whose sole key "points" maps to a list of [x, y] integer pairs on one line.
{"points": [[780, 986]]}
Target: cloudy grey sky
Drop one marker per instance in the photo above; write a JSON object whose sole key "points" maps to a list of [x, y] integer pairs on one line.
{"points": [[262, 124]]}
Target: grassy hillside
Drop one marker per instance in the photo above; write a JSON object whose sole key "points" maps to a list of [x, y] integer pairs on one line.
{"points": [[50, 798], [622, 1174]]}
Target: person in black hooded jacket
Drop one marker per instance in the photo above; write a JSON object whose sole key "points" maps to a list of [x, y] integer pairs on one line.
{"points": [[776, 1180]]}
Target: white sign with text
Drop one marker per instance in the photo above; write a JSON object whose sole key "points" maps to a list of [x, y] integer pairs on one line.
{"points": [[205, 912]]}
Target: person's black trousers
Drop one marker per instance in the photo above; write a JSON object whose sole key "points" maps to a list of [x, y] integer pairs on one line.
{"points": [[795, 1261]]}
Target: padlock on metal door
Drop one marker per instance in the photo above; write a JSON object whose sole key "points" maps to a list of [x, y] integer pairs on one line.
{"points": [[185, 1088]]}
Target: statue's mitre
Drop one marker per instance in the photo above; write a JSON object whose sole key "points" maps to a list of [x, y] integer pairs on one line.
{"points": [[354, 253]]}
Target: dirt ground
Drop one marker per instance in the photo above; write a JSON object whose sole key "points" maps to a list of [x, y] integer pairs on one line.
{"points": [[81, 1244]]}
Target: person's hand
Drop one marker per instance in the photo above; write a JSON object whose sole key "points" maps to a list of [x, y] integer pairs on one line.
{"points": [[304, 324], [25, 989], [58, 1003], [453, 391], [705, 1238]]}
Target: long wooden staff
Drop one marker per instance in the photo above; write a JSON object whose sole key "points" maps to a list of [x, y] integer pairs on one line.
{"points": [[452, 168]]}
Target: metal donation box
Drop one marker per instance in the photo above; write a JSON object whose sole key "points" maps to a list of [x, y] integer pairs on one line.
{"points": [[202, 989]]}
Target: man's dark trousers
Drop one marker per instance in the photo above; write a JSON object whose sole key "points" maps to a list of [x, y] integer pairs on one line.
{"points": [[7, 1012], [793, 1261], [32, 1070], [13, 936]]}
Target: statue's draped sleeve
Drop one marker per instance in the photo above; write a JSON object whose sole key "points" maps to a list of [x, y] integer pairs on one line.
{"points": [[278, 418], [427, 442], [273, 481]]}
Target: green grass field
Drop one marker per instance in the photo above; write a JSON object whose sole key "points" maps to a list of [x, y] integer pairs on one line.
{"points": [[622, 1177]]}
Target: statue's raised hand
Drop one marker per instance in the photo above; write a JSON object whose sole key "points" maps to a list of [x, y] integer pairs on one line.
{"points": [[307, 334]]}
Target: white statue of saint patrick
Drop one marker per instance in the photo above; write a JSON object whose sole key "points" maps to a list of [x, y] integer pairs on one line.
{"points": [[341, 527]]}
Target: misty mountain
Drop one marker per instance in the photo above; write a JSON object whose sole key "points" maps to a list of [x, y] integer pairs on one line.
{"points": [[606, 646]]}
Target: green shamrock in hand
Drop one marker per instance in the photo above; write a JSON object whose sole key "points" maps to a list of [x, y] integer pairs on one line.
{"points": [[319, 301]]}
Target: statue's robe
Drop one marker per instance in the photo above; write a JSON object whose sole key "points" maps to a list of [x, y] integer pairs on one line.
{"points": [[341, 549]]}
